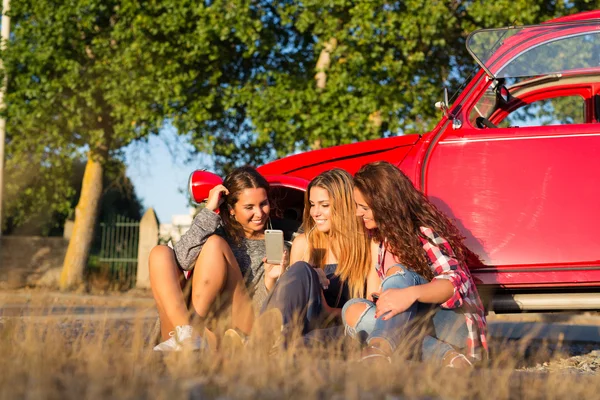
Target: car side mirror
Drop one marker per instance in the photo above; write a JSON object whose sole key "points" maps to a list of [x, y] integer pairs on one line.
{"points": [[200, 184], [446, 101], [443, 105]]}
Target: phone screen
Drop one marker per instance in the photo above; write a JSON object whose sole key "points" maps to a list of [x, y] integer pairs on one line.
{"points": [[274, 245]]}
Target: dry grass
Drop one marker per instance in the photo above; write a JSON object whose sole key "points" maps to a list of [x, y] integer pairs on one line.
{"points": [[66, 358]]}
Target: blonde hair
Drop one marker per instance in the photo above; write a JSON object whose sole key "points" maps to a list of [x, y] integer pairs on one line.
{"points": [[347, 238]]}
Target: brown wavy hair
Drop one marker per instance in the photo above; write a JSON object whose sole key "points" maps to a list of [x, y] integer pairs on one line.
{"points": [[237, 181], [399, 210], [347, 238]]}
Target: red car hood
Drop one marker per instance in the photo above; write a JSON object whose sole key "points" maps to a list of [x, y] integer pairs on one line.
{"points": [[349, 157]]}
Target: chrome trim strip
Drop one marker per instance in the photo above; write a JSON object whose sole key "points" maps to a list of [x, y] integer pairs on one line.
{"points": [[467, 140], [531, 269]]}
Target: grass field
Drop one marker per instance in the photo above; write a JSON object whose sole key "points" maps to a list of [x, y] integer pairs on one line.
{"points": [[71, 358]]}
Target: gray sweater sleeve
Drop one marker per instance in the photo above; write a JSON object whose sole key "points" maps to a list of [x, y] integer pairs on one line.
{"points": [[189, 246]]}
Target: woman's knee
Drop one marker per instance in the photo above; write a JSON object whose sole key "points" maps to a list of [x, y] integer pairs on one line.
{"points": [[160, 255], [299, 272], [395, 270], [215, 243], [398, 277], [299, 281], [214, 249], [351, 313], [358, 316]]}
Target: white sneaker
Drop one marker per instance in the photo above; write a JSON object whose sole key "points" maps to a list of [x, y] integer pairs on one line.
{"points": [[181, 338]]}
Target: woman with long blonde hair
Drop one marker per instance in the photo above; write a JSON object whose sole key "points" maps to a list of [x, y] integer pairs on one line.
{"points": [[329, 261]]}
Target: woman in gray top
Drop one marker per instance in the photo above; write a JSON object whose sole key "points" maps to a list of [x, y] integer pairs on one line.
{"points": [[226, 252]]}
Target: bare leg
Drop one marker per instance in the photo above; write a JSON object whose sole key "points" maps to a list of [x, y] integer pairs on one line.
{"points": [[165, 280], [217, 275]]}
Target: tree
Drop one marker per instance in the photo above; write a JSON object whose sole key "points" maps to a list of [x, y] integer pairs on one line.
{"points": [[387, 68], [218, 50], [38, 190], [347, 71], [40, 200], [239, 75], [79, 79], [96, 75]]}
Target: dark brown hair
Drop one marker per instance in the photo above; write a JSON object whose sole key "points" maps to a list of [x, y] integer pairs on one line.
{"points": [[399, 210], [236, 182]]}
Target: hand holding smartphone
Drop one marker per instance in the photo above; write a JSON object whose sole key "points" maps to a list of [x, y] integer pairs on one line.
{"points": [[274, 246], [375, 297]]}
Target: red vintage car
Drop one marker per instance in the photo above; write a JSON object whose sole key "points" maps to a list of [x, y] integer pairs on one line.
{"points": [[515, 161]]}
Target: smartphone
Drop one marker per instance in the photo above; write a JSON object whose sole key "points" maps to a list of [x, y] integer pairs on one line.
{"points": [[274, 245], [375, 297]]}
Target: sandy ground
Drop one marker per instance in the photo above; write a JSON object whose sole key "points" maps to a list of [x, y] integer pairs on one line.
{"points": [[134, 298], [142, 300]]}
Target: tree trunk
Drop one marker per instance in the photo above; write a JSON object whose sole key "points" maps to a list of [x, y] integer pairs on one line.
{"points": [[324, 62], [86, 214]]}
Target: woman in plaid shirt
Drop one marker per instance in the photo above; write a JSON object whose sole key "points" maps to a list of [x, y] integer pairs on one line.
{"points": [[419, 261]]}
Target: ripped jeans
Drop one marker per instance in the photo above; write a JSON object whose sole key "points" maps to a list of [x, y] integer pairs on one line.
{"points": [[445, 329]]}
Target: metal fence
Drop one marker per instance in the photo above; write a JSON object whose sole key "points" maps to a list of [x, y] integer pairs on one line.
{"points": [[119, 250]]}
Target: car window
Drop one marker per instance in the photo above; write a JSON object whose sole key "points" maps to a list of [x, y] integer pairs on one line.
{"points": [[484, 107], [555, 111], [551, 48]]}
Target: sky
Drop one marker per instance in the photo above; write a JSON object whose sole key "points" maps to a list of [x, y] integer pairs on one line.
{"points": [[159, 170]]}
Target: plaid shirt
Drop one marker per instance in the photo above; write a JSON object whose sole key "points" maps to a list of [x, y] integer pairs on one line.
{"points": [[444, 265]]}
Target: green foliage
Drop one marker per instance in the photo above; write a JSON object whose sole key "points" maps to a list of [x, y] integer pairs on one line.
{"points": [[79, 79], [77, 75], [38, 201], [217, 51], [238, 74], [37, 190], [389, 67], [119, 196]]}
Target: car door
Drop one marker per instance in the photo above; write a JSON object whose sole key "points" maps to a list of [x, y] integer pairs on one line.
{"points": [[527, 198]]}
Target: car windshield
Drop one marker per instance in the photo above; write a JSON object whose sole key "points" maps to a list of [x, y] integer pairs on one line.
{"points": [[537, 50]]}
